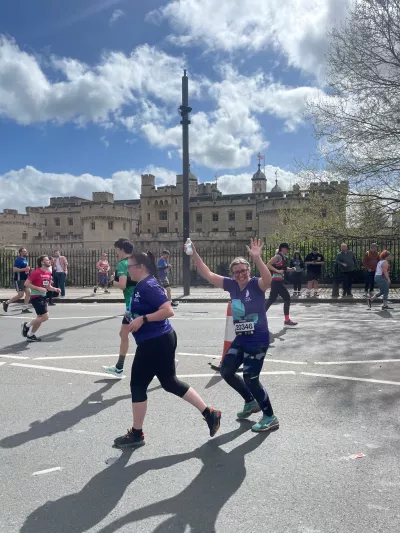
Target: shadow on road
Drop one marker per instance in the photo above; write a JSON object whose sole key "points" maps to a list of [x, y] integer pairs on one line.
{"points": [[196, 507], [55, 336], [65, 420]]}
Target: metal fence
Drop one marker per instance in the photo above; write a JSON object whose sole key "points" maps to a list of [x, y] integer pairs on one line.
{"points": [[82, 263]]}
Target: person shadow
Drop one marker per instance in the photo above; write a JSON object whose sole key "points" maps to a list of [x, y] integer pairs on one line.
{"points": [[196, 506], [55, 336], [64, 420]]}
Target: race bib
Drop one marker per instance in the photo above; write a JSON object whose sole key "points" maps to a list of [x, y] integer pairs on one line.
{"points": [[244, 327]]}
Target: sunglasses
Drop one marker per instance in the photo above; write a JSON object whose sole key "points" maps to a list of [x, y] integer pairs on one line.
{"points": [[238, 273]]}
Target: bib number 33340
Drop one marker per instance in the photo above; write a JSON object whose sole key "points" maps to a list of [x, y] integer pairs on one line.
{"points": [[244, 327]]}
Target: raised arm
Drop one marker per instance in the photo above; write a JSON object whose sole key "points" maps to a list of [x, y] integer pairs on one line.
{"points": [[205, 272], [255, 253]]}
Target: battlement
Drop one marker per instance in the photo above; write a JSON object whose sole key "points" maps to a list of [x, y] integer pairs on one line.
{"points": [[103, 197], [59, 201]]}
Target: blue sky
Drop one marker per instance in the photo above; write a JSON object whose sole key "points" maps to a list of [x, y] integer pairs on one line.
{"points": [[89, 91]]}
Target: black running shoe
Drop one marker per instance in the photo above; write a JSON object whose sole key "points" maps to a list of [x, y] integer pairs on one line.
{"points": [[130, 440], [24, 329], [386, 307], [174, 304], [33, 338], [5, 307], [290, 323], [52, 303], [213, 420], [26, 311]]}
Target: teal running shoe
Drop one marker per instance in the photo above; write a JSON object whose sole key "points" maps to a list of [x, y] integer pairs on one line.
{"points": [[249, 409], [266, 423]]}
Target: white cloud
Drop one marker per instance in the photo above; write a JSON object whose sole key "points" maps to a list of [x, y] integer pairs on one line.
{"points": [[124, 184], [295, 28], [230, 136], [87, 93], [117, 14], [104, 141], [96, 7], [241, 183]]}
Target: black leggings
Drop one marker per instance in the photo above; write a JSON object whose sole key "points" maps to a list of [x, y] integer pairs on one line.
{"points": [[249, 387], [279, 289], [156, 357], [296, 277]]}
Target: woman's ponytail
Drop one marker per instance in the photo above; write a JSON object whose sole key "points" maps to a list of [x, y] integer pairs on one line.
{"points": [[151, 264]]}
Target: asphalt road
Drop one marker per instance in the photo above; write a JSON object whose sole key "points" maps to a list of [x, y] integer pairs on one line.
{"points": [[334, 382]]}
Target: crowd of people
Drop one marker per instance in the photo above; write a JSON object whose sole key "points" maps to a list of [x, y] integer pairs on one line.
{"points": [[148, 308]]}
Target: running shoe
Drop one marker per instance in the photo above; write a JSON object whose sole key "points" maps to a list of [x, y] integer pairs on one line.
{"points": [[114, 371], [213, 420], [52, 303], [386, 307], [106, 291], [369, 302], [94, 290], [130, 440], [290, 323], [174, 304], [248, 409], [24, 329], [26, 311], [33, 338], [266, 423], [5, 307]]}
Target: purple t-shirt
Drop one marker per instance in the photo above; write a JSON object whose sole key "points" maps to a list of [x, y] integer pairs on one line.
{"points": [[249, 305], [147, 298]]}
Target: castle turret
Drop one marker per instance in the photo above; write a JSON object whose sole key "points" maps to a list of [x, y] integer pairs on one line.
{"points": [[259, 181], [148, 183]]}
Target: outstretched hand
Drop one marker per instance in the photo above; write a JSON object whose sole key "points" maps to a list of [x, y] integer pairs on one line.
{"points": [[255, 248]]}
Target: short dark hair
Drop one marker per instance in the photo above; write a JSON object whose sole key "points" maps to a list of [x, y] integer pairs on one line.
{"points": [[166, 252], [125, 245], [20, 250], [40, 260], [315, 248], [284, 245]]}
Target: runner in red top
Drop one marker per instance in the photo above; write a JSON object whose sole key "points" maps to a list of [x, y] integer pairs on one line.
{"points": [[39, 281]]}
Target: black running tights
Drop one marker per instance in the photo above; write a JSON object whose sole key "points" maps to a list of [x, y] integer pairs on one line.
{"points": [[279, 289], [156, 358]]}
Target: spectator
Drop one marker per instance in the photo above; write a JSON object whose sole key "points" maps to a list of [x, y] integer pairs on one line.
{"points": [[103, 268], [348, 265], [298, 264], [314, 262], [370, 262], [162, 268], [61, 266]]}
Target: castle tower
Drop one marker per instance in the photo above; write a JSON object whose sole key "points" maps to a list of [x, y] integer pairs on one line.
{"points": [[148, 183], [259, 181]]}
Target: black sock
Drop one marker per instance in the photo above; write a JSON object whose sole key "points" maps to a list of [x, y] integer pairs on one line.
{"points": [[120, 363], [137, 432], [206, 412]]}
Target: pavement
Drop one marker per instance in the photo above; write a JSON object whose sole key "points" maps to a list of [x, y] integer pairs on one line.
{"points": [[334, 382], [198, 295]]}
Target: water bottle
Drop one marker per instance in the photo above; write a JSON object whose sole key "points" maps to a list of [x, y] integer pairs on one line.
{"points": [[128, 315], [188, 247]]}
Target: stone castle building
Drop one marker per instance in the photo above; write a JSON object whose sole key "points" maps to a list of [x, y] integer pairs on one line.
{"points": [[155, 219]]}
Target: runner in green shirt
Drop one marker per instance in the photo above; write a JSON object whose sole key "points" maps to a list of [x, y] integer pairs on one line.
{"points": [[122, 281]]}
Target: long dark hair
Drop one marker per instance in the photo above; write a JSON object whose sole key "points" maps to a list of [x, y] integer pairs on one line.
{"points": [[299, 256], [147, 260]]}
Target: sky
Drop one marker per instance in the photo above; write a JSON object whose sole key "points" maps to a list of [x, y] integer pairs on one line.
{"points": [[90, 91]]}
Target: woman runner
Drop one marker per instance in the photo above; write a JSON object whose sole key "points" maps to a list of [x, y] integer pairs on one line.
{"points": [[252, 337], [278, 266], [382, 280], [155, 353]]}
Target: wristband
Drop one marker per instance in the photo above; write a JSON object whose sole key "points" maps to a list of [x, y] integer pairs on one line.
{"points": [[145, 319]]}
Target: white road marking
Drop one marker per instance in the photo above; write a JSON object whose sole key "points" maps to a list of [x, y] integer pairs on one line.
{"points": [[68, 370], [47, 471], [68, 317], [102, 374], [365, 362], [269, 360], [14, 357], [76, 357], [3, 363], [350, 378]]}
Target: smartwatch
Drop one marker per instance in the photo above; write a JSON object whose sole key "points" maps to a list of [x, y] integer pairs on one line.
{"points": [[145, 320]]}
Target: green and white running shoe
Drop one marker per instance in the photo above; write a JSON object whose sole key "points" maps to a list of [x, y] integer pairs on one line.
{"points": [[266, 423], [114, 371], [248, 409]]}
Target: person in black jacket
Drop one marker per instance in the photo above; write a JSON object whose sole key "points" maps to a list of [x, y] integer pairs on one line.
{"points": [[298, 264]]}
